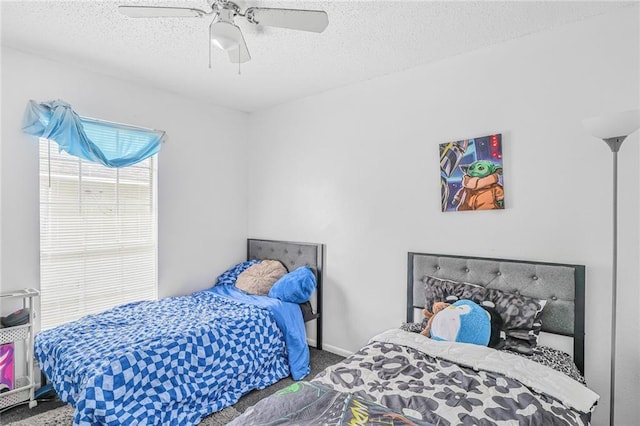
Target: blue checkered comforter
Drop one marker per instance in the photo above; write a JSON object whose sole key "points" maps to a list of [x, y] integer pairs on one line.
{"points": [[167, 362]]}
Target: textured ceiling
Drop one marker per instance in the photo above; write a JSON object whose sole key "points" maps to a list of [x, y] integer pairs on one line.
{"points": [[364, 40]]}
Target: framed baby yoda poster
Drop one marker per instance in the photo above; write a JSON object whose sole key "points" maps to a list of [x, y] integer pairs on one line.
{"points": [[471, 174]]}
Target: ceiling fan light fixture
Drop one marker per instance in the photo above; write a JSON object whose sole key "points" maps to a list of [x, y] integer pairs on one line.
{"points": [[225, 35]]}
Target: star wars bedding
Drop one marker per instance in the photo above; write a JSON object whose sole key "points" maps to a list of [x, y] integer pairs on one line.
{"points": [[309, 404], [171, 361], [448, 383]]}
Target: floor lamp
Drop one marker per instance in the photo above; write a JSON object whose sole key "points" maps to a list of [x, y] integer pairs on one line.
{"points": [[613, 129]]}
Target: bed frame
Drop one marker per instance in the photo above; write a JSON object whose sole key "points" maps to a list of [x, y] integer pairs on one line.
{"points": [[562, 285], [292, 255]]}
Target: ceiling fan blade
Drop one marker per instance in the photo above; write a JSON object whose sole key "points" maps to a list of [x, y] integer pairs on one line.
{"points": [[161, 12], [295, 19]]}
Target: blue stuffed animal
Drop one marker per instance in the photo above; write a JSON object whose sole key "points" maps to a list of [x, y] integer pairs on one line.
{"points": [[463, 321]]}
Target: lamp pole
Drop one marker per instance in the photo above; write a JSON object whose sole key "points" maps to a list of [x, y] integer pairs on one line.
{"points": [[603, 127], [614, 143]]}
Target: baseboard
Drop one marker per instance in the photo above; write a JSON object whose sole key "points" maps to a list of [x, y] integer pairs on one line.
{"points": [[330, 348]]}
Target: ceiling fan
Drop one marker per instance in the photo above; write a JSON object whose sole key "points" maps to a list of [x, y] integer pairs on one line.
{"points": [[224, 33]]}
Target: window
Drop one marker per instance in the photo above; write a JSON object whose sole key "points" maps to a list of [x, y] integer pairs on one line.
{"points": [[98, 234]]}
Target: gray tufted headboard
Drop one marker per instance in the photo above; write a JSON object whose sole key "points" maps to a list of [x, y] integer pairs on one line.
{"points": [[561, 285], [293, 255]]}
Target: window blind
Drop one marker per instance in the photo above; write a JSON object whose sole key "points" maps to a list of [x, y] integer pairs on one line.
{"points": [[98, 234]]}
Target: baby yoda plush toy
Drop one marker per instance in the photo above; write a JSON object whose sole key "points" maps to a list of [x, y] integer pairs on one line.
{"points": [[463, 321]]}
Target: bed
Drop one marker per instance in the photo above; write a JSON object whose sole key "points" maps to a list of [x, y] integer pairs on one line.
{"points": [[403, 377], [175, 360]]}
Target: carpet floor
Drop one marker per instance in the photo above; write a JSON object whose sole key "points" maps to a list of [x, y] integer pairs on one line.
{"points": [[57, 413]]}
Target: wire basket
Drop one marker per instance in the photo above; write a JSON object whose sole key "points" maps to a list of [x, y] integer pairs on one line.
{"points": [[18, 395], [12, 334]]}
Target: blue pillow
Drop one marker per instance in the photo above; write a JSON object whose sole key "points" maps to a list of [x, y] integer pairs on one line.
{"points": [[230, 276], [295, 287], [464, 321]]}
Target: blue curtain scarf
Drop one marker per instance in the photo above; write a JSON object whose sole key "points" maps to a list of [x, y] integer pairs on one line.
{"points": [[111, 144]]}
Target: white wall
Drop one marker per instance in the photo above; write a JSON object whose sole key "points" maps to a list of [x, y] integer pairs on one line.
{"points": [[201, 181], [357, 168]]}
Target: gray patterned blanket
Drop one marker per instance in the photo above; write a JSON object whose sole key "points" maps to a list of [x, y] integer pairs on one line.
{"points": [[459, 384]]}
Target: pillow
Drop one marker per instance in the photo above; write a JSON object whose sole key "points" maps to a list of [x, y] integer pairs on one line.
{"points": [[524, 340], [517, 311], [230, 275], [522, 319], [295, 287], [259, 278], [439, 290], [520, 314]]}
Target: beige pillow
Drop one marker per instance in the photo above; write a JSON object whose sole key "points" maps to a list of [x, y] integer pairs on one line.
{"points": [[259, 278]]}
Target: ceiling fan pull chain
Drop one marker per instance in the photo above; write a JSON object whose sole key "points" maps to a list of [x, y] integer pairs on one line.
{"points": [[238, 60], [209, 45]]}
